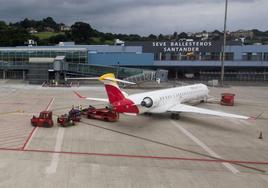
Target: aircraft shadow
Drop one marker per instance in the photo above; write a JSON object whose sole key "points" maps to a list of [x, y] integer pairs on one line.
{"points": [[198, 122]]}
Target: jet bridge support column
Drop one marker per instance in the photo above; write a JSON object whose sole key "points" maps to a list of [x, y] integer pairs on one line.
{"points": [[4, 74], [23, 75], [57, 76]]}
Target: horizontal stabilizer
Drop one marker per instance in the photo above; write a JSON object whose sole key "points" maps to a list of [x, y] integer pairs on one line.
{"points": [[82, 78], [101, 78], [90, 98], [118, 80], [130, 114], [80, 96]]}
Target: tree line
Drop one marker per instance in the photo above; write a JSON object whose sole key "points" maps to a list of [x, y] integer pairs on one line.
{"points": [[16, 34]]}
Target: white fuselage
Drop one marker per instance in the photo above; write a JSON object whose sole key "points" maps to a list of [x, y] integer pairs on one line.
{"points": [[162, 100]]}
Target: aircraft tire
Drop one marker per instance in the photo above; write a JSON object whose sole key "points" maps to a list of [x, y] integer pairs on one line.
{"points": [[175, 116], [46, 125]]}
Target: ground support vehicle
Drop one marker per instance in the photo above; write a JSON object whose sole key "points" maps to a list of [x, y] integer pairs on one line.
{"points": [[75, 114], [65, 121], [104, 114], [44, 120]]}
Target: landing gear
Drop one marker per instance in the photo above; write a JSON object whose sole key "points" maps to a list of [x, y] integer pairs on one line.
{"points": [[175, 116], [204, 100], [148, 114]]}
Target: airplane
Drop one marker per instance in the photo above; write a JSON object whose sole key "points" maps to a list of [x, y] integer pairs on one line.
{"points": [[171, 100]]}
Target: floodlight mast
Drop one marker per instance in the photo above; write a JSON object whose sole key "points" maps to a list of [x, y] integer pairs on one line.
{"points": [[224, 44]]}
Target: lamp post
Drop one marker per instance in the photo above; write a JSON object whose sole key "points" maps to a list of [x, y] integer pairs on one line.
{"points": [[224, 44], [117, 69]]}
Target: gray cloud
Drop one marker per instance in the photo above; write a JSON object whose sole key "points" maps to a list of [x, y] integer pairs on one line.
{"points": [[142, 16]]}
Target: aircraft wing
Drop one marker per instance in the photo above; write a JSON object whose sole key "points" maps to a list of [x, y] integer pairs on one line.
{"points": [[90, 98], [193, 109]]}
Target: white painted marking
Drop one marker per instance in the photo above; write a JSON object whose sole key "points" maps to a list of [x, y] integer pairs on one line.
{"points": [[52, 168], [50, 104], [29, 141], [205, 147]]}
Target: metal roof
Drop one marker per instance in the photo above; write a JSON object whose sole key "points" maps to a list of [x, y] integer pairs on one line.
{"points": [[42, 48], [94, 48]]}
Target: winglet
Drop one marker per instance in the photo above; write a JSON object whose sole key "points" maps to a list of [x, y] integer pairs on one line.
{"points": [[257, 117], [80, 96]]}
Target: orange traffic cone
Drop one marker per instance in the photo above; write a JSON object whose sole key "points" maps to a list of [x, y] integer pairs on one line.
{"points": [[260, 137]]}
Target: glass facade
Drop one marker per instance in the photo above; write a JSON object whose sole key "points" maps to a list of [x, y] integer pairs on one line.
{"points": [[100, 69], [229, 56], [256, 56], [209, 56], [203, 50], [23, 55], [191, 56], [249, 56], [79, 54], [265, 56]]}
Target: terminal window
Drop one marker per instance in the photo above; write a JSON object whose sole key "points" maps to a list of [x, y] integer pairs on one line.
{"points": [[192, 56], [73, 56], [207, 56], [247, 56], [256, 56], [229, 56], [252, 56], [175, 56], [265, 56], [181, 56], [215, 56]]}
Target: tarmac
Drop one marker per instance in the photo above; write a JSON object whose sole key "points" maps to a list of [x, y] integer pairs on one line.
{"points": [[137, 151]]}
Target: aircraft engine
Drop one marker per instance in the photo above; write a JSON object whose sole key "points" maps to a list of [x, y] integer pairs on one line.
{"points": [[148, 102]]}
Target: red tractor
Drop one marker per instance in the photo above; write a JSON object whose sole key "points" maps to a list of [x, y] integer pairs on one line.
{"points": [[44, 120]]}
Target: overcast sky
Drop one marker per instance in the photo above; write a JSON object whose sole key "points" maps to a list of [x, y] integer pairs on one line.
{"points": [[143, 16]]}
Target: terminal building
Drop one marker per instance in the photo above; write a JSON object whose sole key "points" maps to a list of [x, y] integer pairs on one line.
{"points": [[181, 59], [202, 59]]}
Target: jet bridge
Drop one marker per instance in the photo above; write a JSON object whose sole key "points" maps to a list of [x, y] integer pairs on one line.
{"points": [[37, 71]]}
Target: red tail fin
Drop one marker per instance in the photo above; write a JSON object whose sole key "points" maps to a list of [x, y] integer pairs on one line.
{"points": [[113, 91]]}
